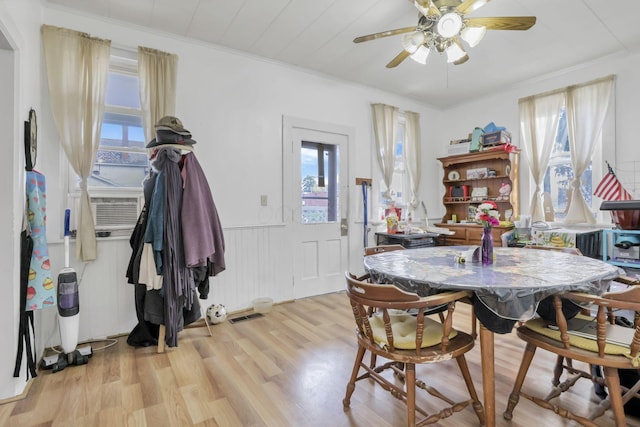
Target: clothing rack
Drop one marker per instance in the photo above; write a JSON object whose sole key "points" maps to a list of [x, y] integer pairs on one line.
{"points": [[183, 278]]}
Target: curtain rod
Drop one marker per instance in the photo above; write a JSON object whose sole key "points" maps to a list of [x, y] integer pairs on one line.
{"points": [[564, 89]]}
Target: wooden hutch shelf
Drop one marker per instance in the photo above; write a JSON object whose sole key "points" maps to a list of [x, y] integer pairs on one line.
{"points": [[462, 174]]}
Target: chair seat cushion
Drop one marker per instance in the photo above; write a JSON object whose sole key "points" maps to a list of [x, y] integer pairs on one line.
{"points": [[403, 327], [539, 325]]}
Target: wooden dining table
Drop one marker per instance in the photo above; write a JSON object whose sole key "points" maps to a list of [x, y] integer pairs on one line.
{"points": [[506, 291]]}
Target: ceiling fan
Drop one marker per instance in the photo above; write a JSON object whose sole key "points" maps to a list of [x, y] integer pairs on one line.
{"points": [[442, 26]]}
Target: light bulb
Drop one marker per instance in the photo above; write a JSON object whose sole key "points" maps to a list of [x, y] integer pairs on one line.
{"points": [[412, 41], [454, 52], [424, 10], [421, 54], [477, 5], [473, 35]]}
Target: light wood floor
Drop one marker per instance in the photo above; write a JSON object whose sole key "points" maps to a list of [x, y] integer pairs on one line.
{"points": [[288, 368]]}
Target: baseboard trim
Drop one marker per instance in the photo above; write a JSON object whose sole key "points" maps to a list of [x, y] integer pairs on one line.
{"points": [[21, 396]]}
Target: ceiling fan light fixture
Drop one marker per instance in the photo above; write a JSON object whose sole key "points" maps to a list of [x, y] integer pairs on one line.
{"points": [[478, 4], [444, 28], [473, 35], [421, 54], [412, 41], [449, 25], [424, 10], [454, 53]]}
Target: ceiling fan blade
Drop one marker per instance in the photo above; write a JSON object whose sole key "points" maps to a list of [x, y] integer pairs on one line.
{"points": [[384, 34], [470, 5], [503, 22], [398, 59], [426, 7]]}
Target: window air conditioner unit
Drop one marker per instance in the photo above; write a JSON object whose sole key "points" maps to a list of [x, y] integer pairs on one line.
{"points": [[111, 213]]}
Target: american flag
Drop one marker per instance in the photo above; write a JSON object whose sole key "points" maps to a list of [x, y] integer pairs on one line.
{"points": [[610, 188]]}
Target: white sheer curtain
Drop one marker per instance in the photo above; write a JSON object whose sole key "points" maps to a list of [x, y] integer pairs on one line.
{"points": [[539, 116], [385, 119], [587, 106], [77, 70], [157, 74], [412, 155]]}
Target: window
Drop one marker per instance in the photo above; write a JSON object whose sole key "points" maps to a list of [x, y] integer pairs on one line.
{"points": [[560, 173], [592, 119], [121, 163], [319, 172], [400, 182]]}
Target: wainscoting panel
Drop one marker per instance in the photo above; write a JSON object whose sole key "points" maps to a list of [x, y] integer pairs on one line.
{"points": [[258, 263]]}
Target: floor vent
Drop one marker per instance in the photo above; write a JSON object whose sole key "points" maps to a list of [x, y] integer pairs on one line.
{"points": [[247, 317]]}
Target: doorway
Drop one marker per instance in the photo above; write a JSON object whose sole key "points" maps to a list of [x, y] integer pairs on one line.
{"points": [[13, 186], [315, 158]]}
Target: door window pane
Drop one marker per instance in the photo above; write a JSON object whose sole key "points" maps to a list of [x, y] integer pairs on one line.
{"points": [[319, 182]]}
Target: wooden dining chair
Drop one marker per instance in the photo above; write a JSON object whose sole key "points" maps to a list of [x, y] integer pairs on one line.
{"points": [[391, 323], [593, 345], [372, 250]]}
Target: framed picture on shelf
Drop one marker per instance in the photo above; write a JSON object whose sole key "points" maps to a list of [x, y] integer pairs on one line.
{"points": [[471, 215]]}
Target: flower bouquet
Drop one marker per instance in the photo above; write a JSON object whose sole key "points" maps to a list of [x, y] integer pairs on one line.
{"points": [[487, 214]]}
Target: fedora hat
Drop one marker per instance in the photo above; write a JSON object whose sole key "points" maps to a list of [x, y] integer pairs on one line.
{"points": [[172, 124], [169, 137]]}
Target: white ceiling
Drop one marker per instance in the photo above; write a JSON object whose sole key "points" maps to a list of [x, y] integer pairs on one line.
{"points": [[318, 35]]}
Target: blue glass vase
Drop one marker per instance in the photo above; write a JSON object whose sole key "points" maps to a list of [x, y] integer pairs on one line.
{"points": [[486, 246]]}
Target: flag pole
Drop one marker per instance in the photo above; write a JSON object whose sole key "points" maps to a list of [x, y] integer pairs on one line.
{"points": [[610, 168]]}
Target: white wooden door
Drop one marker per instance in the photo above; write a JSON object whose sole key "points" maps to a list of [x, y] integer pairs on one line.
{"points": [[318, 201]]}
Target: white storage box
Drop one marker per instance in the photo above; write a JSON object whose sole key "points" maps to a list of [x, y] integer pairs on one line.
{"points": [[460, 148]]}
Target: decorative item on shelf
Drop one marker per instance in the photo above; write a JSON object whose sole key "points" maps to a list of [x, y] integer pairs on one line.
{"points": [[471, 213], [458, 193], [496, 138], [458, 147], [508, 214], [476, 136], [504, 191], [486, 216], [477, 173], [453, 175], [508, 147], [392, 219], [478, 194], [398, 211]]}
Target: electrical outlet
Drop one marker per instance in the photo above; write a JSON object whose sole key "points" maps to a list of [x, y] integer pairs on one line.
{"points": [[263, 200]]}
